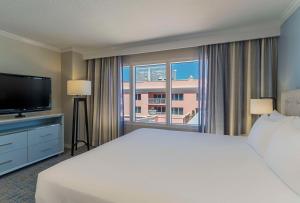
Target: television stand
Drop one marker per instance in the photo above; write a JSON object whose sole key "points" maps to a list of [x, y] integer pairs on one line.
{"points": [[20, 115], [28, 140]]}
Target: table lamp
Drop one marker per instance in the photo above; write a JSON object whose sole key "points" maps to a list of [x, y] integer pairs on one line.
{"points": [[261, 106]]}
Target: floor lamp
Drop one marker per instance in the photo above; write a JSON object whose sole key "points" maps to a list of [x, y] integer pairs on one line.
{"points": [[79, 89]]}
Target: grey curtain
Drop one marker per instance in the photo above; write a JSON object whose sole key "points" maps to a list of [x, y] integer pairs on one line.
{"points": [[105, 104], [211, 87], [232, 74]]}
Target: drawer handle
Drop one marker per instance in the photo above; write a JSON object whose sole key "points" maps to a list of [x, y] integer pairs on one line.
{"points": [[45, 150], [46, 135], [6, 144], [5, 162]]}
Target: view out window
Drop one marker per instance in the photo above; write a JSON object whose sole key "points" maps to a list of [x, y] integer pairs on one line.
{"points": [[152, 103], [126, 92], [177, 111], [184, 88], [150, 82], [177, 97]]}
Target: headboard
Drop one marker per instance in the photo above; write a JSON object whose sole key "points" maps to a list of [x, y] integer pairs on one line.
{"points": [[290, 103]]}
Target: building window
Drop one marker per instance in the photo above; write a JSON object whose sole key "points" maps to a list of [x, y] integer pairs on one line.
{"points": [[155, 82], [177, 111], [138, 97], [159, 95], [154, 110], [177, 97], [138, 109]]}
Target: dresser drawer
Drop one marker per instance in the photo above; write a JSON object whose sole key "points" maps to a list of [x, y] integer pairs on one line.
{"points": [[43, 134], [13, 159], [11, 142], [43, 150]]}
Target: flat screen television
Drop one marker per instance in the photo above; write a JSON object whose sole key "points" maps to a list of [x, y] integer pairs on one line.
{"points": [[22, 93]]}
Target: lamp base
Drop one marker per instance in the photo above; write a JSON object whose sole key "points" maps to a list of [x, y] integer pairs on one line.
{"points": [[75, 140]]}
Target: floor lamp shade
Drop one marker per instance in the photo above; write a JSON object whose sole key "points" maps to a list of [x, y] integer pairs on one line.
{"points": [[79, 87], [261, 106]]}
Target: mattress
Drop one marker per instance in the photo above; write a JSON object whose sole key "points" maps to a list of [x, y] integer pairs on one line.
{"points": [[161, 166]]}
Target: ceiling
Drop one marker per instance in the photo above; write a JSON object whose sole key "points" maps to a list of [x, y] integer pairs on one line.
{"points": [[102, 23]]}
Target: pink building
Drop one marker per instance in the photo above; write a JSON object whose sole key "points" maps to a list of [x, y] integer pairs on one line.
{"points": [[150, 101]]}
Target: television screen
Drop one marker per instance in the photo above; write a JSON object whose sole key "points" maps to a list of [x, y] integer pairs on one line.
{"points": [[19, 93]]}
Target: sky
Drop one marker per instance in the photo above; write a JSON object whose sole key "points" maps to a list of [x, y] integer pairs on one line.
{"points": [[183, 70]]}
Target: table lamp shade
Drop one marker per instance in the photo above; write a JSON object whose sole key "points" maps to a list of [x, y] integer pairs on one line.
{"points": [[261, 106], [79, 87]]}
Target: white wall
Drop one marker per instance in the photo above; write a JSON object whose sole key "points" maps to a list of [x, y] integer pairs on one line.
{"points": [[289, 55], [187, 41], [73, 67], [19, 58], [22, 58]]}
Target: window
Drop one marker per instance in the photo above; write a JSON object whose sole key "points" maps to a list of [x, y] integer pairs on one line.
{"points": [[150, 81], [184, 88], [164, 93], [138, 97], [177, 97], [159, 109], [177, 111], [138, 109], [159, 96], [126, 92]]}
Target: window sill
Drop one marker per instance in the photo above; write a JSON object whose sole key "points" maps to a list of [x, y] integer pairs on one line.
{"points": [[161, 126]]}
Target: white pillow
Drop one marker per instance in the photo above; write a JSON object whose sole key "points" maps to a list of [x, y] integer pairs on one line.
{"points": [[283, 154], [276, 116], [261, 133]]}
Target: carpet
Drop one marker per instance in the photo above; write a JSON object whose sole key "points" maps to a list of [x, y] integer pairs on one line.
{"points": [[19, 186]]}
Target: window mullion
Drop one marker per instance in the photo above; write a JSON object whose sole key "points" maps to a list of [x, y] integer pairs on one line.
{"points": [[132, 93], [168, 93]]}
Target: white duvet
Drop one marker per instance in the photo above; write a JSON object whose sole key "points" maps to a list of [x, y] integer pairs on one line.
{"points": [[160, 166]]}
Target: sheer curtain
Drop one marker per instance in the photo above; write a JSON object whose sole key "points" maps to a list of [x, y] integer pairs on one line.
{"points": [[105, 104], [232, 74]]}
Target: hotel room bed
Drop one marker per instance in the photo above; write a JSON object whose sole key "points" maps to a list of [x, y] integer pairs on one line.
{"points": [[161, 166]]}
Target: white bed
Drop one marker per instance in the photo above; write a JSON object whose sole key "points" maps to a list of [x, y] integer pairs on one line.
{"points": [[160, 166]]}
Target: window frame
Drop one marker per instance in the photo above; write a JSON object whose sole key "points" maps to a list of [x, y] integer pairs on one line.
{"points": [[168, 94]]}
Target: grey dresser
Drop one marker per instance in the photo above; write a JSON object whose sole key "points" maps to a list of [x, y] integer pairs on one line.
{"points": [[28, 140]]}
